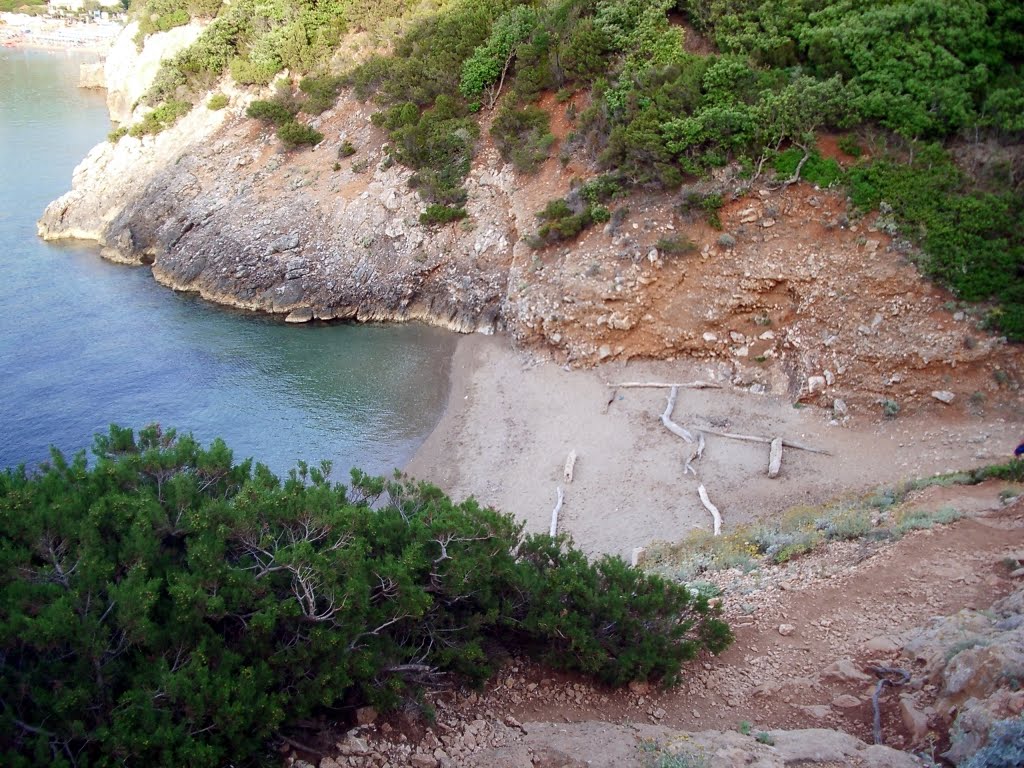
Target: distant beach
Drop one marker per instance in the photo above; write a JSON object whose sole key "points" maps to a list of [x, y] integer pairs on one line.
{"points": [[23, 31]]}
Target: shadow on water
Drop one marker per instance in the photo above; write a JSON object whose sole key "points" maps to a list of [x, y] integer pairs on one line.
{"points": [[84, 343]]}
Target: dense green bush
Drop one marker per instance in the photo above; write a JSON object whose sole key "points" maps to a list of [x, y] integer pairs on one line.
{"points": [[522, 136], [159, 16], [920, 67], [164, 116], [972, 241], [321, 93], [441, 214], [217, 101], [566, 218], [296, 134], [115, 135], [436, 143], [168, 606], [271, 111], [818, 170]]}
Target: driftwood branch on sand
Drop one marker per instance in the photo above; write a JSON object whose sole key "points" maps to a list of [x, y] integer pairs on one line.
{"points": [[765, 440], [715, 514], [775, 458], [696, 452], [663, 385], [666, 418], [570, 467], [555, 511]]}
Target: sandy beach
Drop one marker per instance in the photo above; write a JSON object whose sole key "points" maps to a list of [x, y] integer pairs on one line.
{"points": [[513, 418], [22, 31]]}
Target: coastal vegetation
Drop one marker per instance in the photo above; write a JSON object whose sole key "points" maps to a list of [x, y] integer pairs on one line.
{"points": [[660, 93], [167, 605], [23, 6]]}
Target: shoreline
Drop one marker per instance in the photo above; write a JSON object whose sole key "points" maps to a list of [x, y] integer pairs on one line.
{"points": [[35, 33], [511, 419]]}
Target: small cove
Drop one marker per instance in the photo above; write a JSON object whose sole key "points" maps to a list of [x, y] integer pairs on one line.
{"points": [[84, 343]]}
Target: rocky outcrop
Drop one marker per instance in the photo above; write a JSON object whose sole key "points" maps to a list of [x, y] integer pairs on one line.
{"points": [[128, 72], [223, 211], [975, 661], [510, 744], [92, 75], [604, 745], [111, 177]]}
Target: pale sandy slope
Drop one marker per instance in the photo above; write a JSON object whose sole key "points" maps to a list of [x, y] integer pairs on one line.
{"points": [[512, 420]]}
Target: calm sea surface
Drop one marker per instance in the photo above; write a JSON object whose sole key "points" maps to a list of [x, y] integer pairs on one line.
{"points": [[85, 343]]}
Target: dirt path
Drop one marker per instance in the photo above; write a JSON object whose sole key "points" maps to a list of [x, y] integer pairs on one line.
{"points": [[847, 608]]}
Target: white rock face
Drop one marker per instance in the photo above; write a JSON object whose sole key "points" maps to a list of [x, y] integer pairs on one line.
{"points": [[128, 73], [92, 75]]}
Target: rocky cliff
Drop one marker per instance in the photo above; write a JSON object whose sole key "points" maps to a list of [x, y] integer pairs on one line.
{"points": [[792, 297], [129, 70]]}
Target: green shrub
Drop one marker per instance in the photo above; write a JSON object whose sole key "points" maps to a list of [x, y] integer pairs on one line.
{"points": [[274, 112], [522, 136], [115, 135], [169, 606], [295, 134], [815, 170], [921, 520], [707, 204], [321, 93], [853, 524], [346, 149], [890, 408], [972, 240], [564, 219], [164, 116], [675, 245], [247, 72], [441, 214], [613, 622], [850, 146], [436, 143], [217, 101]]}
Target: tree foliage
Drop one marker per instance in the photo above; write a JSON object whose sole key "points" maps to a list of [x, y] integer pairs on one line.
{"points": [[169, 606], [487, 67]]}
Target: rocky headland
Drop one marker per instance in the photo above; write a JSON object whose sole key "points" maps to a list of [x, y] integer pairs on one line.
{"points": [[793, 296]]}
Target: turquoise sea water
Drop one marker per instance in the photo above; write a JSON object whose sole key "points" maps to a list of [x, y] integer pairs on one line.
{"points": [[84, 343]]}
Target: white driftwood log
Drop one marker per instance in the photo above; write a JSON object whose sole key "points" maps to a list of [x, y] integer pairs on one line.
{"points": [[570, 465], [715, 514], [555, 511], [695, 453], [775, 458], [666, 417], [662, 385], [765, 440]]}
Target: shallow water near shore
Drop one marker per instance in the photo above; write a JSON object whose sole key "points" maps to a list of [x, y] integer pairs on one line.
{"points": [[85, 343]]}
